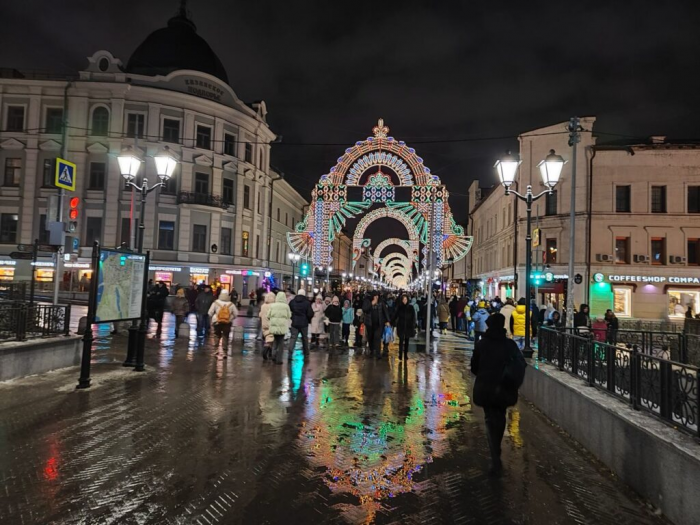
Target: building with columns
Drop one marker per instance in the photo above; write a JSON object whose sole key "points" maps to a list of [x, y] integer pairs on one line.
{"points": [[210, 222], [637, 236]]}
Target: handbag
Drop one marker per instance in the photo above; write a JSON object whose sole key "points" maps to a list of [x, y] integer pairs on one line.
{"points": [[388, 335]]}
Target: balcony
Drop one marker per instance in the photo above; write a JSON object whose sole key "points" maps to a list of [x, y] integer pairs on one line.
{"points": [[202, 199]]}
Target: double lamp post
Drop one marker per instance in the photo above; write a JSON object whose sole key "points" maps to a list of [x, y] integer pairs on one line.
{"points": [[550, 170], [129, 165]]}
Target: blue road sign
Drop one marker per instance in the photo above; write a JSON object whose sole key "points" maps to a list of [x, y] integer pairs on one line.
{"points": [[76, 244], [65, 175]]}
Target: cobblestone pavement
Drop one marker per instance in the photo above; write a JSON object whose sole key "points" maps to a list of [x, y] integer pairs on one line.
{"points": [[339, 438]]}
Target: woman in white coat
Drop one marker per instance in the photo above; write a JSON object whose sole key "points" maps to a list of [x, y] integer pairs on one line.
{"points": [[316, 327]]}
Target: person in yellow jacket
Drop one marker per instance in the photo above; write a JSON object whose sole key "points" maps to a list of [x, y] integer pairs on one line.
{"points": [[517, 322]]}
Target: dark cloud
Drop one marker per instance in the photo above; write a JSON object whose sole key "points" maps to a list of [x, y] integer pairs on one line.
{"points": [[328, 70]]}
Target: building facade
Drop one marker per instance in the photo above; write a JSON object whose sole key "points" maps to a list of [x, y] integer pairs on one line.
{"points": [[212, 221], [636, 236]]}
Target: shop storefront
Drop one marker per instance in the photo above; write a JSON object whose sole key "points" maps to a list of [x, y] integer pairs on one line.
{"points": [[7, 270], [76, 276], [645, 296]]}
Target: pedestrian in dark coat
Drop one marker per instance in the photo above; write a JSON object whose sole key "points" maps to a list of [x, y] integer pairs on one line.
{"points": [[301, 315], [494, 390], [453, 312], [376, 318], [405, 323]]}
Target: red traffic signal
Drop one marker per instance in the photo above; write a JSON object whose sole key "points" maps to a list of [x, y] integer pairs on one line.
{"points": [[74, 202], [73, 213]]}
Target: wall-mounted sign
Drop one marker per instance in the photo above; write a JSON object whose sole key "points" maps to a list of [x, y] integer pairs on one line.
{"points": [[8, 263], [199, 271], [651, 279], [598, 277], [76, 265], [266, 274], [243, 272], [43, 264], [578, 278], [535, 237], [549, 277], [553, 276], [164, 268]]}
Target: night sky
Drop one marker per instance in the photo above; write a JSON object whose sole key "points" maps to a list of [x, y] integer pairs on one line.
{"points": [[433, 70]]}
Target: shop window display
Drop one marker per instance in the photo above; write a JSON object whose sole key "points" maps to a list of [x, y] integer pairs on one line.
{"points": [[622, 301], [680, 300]]}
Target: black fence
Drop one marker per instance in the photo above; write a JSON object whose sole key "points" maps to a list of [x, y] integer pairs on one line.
{"points": [[204, 199], [19, 322], [665, 388], [651, 325]]}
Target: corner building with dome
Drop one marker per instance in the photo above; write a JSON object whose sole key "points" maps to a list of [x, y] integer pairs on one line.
{"points": [[222, 217]]}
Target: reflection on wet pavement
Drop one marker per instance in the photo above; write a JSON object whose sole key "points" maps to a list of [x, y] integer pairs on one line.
{"points": [[339, 438]]}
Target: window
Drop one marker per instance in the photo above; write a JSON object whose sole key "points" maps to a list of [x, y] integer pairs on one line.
{"points": [[201, 183], [260, 159], [166, 235], [43, 235], [622, 301], [286, 219], [246, 197], [15, 118], [658, 199], [135, 123], [551, 251], [277, 252], [278, 215], [204, 137], [171, 130], [622, 199], [100, 122], [550, 207], [257, 246], [48, 175], [658, 250], [8, 228], [693, 199], [259, 203], [248, 152], [199, 238], [13, 170], [54, 120], [622, 250], [229, 144], [244, 247], [125, 232], [226, 235], [694, 252], [680, 300], [97, 176], [93, 230], [228, 191]]}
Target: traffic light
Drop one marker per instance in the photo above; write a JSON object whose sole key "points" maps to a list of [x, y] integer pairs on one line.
{"points": [[304, 269], [73, 214]]}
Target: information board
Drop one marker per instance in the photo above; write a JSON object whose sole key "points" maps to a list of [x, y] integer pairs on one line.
{"points": [[120, 283]]}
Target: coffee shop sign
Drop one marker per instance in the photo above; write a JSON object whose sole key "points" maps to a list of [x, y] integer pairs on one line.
{"points": [[652, 279]]}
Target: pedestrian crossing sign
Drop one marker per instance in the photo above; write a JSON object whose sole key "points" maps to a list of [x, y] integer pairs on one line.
{"points": [[65, 175]]}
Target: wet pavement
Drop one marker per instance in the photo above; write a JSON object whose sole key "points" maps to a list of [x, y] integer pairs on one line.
{"points": [[338, 438]]}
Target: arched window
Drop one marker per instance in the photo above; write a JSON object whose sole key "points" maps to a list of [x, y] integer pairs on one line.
{"points": [[260, 159], [100, 121]]}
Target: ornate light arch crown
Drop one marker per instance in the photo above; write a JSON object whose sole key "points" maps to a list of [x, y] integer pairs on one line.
{"points": [[330, 207]]}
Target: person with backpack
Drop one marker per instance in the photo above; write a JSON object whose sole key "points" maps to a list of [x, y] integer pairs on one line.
{"points": [[222, 313], [302, 313], [499, 367], [278, 315]]}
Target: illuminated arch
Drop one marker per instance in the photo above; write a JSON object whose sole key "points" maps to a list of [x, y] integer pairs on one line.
{"points": [[358, 240], [393, 259], [330, 206]]}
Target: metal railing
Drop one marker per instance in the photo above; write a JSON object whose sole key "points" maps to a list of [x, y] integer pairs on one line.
{"points": [[204, 199], [668, 389], [650, 325], [20, 322]]}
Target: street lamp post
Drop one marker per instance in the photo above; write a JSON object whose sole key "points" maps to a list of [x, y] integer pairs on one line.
{"points": [[294, 257], [129, 165], [550, 170]]}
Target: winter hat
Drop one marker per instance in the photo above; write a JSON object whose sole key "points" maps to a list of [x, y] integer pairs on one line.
{"points": [[223, 296], [300, 291], [496, 322], [482, 304]]}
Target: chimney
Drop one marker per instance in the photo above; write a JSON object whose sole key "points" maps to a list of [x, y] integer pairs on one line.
{"points": [[658, 139]]}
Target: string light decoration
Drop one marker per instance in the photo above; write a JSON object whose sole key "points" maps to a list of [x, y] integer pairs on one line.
{"points": [[330, 208], [411, 247]]}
